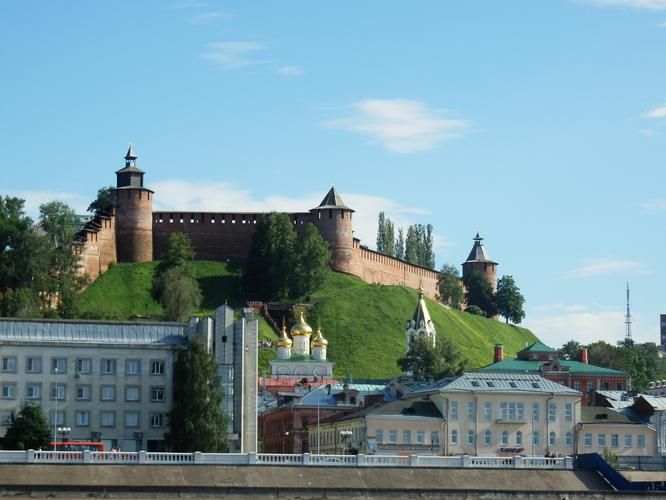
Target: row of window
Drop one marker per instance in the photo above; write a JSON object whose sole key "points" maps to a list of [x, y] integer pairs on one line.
{"points": [[332, 437], [107, 366], [82, 418], [614, 440], [83, 392], [406, 437], [505, 440], [510, 411]]}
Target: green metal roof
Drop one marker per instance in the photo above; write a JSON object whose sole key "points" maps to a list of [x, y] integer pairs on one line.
{"points": [[523, 365], [538, 347]]}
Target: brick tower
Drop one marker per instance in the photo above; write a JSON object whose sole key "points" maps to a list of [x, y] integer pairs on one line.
{"points": [[334, 220], [134, 213], [478, 261]]}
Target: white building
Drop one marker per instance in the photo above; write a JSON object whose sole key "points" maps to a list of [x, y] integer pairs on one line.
{"points": [[420, 324]]}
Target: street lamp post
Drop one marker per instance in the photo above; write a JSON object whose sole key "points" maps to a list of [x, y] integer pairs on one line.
{"points": [[55, 408], [64, 431], [345, 435]]}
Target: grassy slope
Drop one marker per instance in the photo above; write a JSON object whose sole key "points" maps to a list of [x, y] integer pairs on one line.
{"points": [[365, 324]]}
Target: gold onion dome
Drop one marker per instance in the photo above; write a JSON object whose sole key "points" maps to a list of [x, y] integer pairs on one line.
{"points": [[319, 340], [284, 340], [301, 327]]}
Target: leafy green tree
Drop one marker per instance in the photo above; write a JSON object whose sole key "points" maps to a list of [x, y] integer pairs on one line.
{"points": [[428, 255], [570, 350], [181, 294], [197, 422], [450, 289], [381, 233], [179, 254], [509, 300], [604, 354], [412, 245], [479, 293], [22, 303], [424, 361], [103, 202], [311, 264], [29, 430], [419, 245], [650, 355], [634, 365], [400, 245], [14, 224]]}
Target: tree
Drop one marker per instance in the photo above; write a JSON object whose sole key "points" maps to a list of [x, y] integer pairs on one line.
{"points": [[425, 361], [180, 293], [103, 202], [312, 259], [570, 350], [450, 289], [412, 245], [179, 254], [479, 293], [508, 300], [400, 245], [428, 255], [419, 245], [634, 365], [197, 422], [604, 354], [381, 233], [29, 430]]}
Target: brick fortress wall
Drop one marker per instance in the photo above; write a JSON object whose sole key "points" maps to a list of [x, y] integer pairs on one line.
{"points": [[96, 245]]}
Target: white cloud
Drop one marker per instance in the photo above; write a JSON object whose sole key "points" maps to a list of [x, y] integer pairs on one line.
{"points": [[208, 17], [655, 205], [638, 4], [289, 70], [33, 199], [659, 112], [647, 132], [399, 125], [233, 55], [188, 4], [602, 267]]}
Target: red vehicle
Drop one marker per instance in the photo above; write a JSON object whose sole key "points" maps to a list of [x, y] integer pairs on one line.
{"points": [[77, 446]]}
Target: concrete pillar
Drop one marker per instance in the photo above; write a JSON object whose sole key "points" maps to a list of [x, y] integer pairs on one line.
{"points": [[251, 458], [517, 462], [198, 458], [30, 456], [360, 459], [142, 457], [568, 463], [414, 460], [306, 458], [465, 461], [86, 456]]}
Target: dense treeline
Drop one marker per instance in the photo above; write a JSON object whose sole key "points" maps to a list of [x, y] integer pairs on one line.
{"points": [[416, 247]]}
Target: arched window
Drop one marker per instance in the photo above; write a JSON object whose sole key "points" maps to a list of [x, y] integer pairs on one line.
{"points": [[519, 438], [505, 438]]}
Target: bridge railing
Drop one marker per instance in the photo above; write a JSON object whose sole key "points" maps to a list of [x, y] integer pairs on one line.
{"points": [[307, 459]]}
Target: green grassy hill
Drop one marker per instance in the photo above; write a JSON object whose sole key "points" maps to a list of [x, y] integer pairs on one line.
{"points": [[364, 324]]}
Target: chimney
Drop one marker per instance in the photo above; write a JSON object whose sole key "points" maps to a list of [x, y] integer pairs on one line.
{"points": [[499, 353], [583, 356]]}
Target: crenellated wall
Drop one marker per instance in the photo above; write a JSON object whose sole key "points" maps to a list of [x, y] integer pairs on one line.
{"points": [[96, 245]]}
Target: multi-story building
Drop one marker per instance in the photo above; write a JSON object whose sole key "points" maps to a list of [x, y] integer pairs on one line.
{"points": [[621, 432], [113, 381]]}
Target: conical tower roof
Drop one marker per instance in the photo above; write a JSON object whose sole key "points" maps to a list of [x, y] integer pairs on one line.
{"points": [[421, 313], [130, 162], [478, 252], [301, 327], [284, 340], [332, 200], [319, 340]]}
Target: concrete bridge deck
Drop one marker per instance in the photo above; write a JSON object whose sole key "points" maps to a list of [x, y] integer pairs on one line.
{"points": [[147, 481]]}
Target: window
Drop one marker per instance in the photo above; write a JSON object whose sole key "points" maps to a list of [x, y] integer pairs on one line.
{"points": [[83, 366], [379, 435], [576, 385], [615, 440], [434, 437], [108, 393], [393, 436], [487, 438], [108, 366], [619, 386], [568, 413], [58, 418], [536, 438], [552, 438], [519, 438], [157, 393], [133, 367], [512, 411], [107, 418], [33, 365], [568, 439], [132, 393], [58, 392], [157, 367], [131, 419], [471, 410], [505, 438], [520, 413], [156, 419], [83, 418], [454, 410], [601, 439], [488, 410], [407, 437], [8, 390], [470, 437], [590, 386], [535, 411], [420, 437], [587, 439], [552, 412], [58, 365], [9, 365], [33, 391], [83, 392], [640, 441], [454, 437], [627, 440], [503, 410], [6, 418]]}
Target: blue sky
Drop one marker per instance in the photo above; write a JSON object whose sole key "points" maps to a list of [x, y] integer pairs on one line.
{"points": [[540, 124]]}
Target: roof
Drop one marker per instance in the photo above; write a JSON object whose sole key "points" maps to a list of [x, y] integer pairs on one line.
{"points": [[401, 407], [131, 155], [603, 415], [478, 252], [333, 200], [499, 382], [538, 347], [525, 365], [421, 313], [655, 402], [320, 396]]}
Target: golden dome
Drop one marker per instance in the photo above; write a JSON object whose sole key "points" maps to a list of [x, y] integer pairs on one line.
{"points": [[301, 327], [284, 340], [319, 340]]}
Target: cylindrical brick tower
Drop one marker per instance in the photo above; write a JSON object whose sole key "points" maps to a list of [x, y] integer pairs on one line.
{"points": [[134, 213], [334, 220], [478, 261]]}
